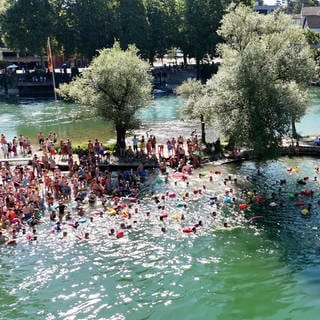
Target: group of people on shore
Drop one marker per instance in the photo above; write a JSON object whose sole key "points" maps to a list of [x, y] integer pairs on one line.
{"points": [[17, 145], [87, 193], [176, 153], [27, 192]]}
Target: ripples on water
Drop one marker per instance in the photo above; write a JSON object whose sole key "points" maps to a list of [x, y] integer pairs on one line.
{"points": [[213, 274]]}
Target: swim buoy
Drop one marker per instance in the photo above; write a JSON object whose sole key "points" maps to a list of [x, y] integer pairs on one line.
{"points": [[172, 195], [119, 234], [83, 220], [30, 237], [16, 220], [260, 199], [159, 180], [176, 216], [112, 211], [304, 211], [308, 192], [133, 200], [300, 203], [196, 191], [165, 215], [227, 200], [291, 195], [187, 230], [180, 204], [242, 206], [178, 175]]}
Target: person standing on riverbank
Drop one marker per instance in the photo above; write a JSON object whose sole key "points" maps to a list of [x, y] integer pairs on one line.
{"points": [[40, 139], [135, 143]]}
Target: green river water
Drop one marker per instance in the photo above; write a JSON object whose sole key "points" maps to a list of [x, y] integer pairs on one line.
{"points": [[268, 269]]}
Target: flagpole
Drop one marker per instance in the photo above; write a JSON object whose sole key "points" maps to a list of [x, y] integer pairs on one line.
{"points": [[51, 66]]}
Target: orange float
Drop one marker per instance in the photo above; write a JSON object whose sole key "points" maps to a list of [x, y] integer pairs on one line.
{"points": [[243, 206]]}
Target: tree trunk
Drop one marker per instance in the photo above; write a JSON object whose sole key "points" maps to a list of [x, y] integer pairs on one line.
{"points": [[151, 57], [5, 83], [294, 130], [203, 130], [42, 61], [121, 136], [185, 60], [198, 68]]}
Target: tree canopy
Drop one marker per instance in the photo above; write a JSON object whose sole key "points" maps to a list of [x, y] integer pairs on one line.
{"points": [[294, 6], [81, 27], [116, 84], [27, 24], [260, 87]]}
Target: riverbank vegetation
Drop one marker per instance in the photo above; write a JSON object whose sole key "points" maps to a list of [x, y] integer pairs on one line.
{"points": [[260, 88], [116, 84], [79, 28]]}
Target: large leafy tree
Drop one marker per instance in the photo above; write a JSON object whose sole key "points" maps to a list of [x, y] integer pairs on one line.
{"points": [[162, 26], [116, 85], [27, 24], [260, 87], [132, 24], [199, 23], [192, 91], [201, 19], [83, 26]]}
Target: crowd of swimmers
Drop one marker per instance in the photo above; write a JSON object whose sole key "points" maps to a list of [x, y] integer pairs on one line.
{"points": [[27, 192], [85, 193]]}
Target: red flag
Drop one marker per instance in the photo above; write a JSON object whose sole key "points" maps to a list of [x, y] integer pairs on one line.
{"points": [[49, 56]]}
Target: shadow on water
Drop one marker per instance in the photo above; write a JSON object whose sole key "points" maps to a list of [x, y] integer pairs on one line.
{"points": [[297, 234]]}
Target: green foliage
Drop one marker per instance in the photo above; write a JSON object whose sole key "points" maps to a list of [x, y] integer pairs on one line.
{"points": [[132, 24], [294, 6], [191, 90], [27, 24], [313, 40], [82, 26], [260, 86], [162, 19], [116, 85], [201, 20]]}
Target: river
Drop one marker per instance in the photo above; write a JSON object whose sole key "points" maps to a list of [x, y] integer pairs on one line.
{"points": [[267, 269]]}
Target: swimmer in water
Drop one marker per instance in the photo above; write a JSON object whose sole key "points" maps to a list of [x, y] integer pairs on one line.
{"points": [[2, 238]]}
